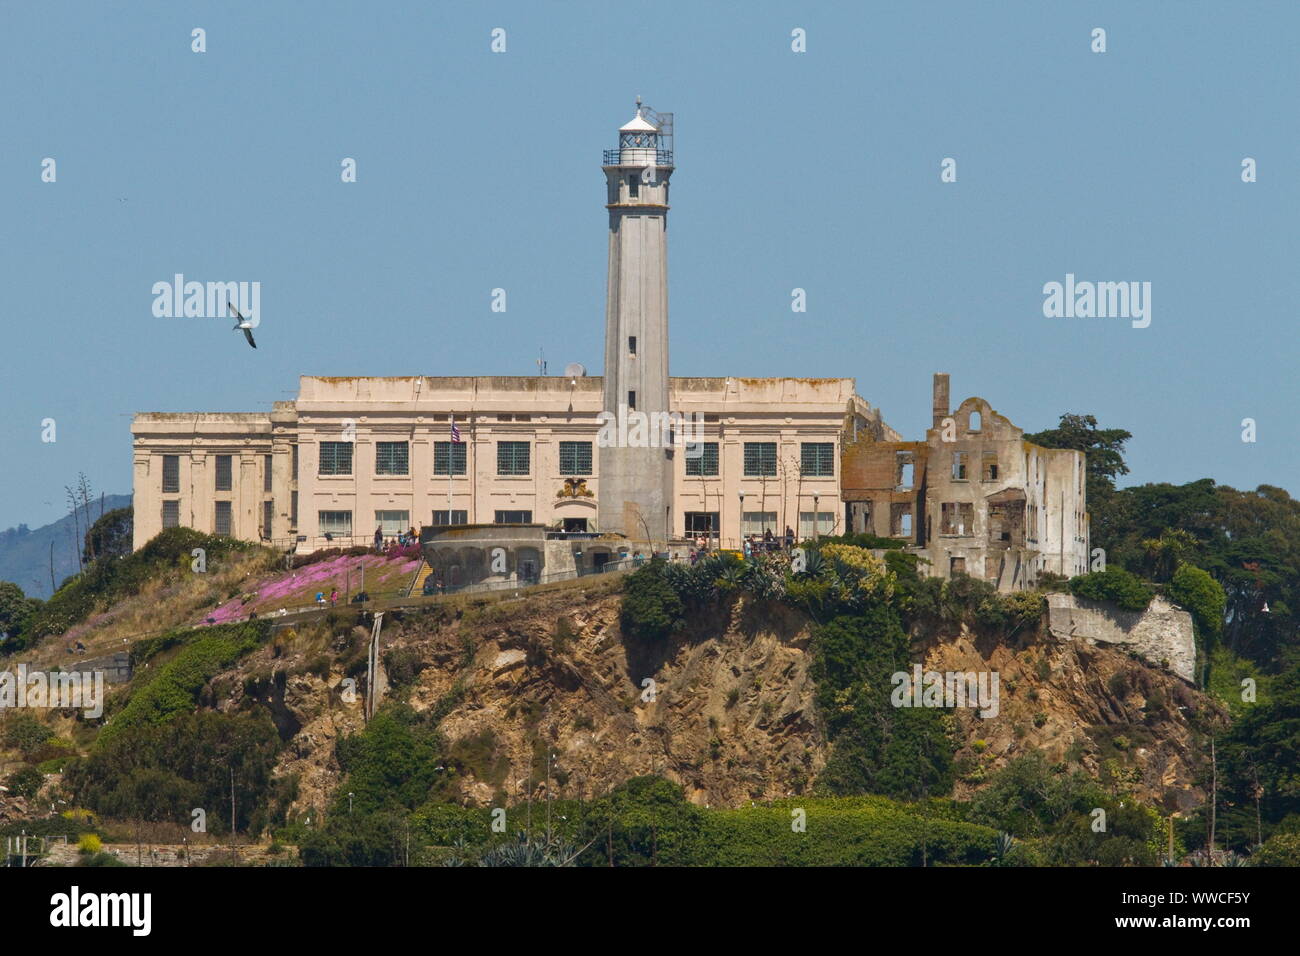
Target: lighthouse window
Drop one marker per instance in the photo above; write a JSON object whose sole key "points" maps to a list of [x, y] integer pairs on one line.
{"points": [[631, 345], [633, 186]]}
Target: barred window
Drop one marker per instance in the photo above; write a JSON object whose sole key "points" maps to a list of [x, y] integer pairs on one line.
{"points": [[222, 523], [512, 457], [171, 515], [817, 459], [171, 476], [223, 473], [392, 457], [702, 458], [266, 472], [575, 458], [338, 523], [514, 517], [760, 458], [444, 451], [458, 516], [293, 509], [268, 514], [295, 461], [392, 523], [335, 458]]}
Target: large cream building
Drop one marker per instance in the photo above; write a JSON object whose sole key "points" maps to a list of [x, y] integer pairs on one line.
{"points": [[352, 455]]}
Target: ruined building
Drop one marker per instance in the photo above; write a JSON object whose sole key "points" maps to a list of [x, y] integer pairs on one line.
{"points": [[973, 497]]}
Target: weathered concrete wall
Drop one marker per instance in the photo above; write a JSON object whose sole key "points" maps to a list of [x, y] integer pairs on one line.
{"points": [[1162, 633]]}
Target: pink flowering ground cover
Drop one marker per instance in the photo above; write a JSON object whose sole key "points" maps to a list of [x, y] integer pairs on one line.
{"points": [[291, 589]]}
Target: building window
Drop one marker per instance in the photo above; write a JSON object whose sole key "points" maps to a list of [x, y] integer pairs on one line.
{"points": [[293, 509], [956, 517], [900, 519], [817, 459], [756, 522], [171, 516], [448, 458], [268, 513], [989, 466], [171, 479], [222, 523], [631, 401], [760, 459], [514, 517], [824, 524], [512, 458], [266, 472], [957, 565], [457, 517], [634, 186], [392, 523], [336, 524], [631, 345], [295, 462], [392, 458], [223, 473], [575, 458], [702, 523], [702, 458], [959, 466], [336, 458]]}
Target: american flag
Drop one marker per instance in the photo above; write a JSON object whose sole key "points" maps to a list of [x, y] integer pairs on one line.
{"points": [[455, 432]]}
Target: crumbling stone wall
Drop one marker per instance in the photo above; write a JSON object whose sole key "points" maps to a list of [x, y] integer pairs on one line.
{"points": [[1162, 634]]}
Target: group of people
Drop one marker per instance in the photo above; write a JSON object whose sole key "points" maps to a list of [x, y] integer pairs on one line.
{"points": [[401, 541], [750, 545]]}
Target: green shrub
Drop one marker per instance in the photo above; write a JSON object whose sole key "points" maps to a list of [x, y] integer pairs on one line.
{"points": [[1113, 586], [174, 687], [25, 782], [1195, 590], [1281, 849], [651, 608]]}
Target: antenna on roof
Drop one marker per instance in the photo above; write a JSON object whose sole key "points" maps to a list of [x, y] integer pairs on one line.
{"points": [[541, 362], [574, 371]]}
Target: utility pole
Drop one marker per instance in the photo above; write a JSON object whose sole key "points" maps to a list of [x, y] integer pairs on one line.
{"points": [[1214, 795]]}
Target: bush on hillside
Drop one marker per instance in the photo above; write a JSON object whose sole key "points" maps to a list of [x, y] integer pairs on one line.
{"points": [[1113, 586], [1195, 590], [651, 608]]}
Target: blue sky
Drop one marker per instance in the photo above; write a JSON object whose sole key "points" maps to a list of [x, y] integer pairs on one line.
{"points": [[817, 170]]}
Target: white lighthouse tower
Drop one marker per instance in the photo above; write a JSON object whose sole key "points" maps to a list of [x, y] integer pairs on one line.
{"points": [[635, 497]]}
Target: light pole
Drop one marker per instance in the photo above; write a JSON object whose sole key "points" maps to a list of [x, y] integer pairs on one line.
{"points": [[349, 802], [740, 526], [816, 520]]}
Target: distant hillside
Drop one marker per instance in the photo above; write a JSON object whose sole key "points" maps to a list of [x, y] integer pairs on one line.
{"points": [[25, 554]]}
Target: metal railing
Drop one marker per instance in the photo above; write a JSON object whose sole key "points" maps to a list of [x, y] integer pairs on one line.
{"points": [[663, 157]]}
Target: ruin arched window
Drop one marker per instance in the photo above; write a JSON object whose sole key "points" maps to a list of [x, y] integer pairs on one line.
{"points": [[976, 420]]}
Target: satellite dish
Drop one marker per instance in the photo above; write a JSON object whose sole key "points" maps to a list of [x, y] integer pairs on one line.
{"points": [[574, 370]]}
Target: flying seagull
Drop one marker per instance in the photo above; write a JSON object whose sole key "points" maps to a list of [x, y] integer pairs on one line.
{"points": [[244, 324]]}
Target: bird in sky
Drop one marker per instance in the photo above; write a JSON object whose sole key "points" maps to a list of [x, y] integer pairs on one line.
{"points": [[244, 324]]}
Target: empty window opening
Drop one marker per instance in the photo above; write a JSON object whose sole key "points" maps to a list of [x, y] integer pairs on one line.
{"points": [[631, 401], [631, 345], [956, 517], [959, 466], [989, 466], [900, 519], [976, 420], [906, 471]]}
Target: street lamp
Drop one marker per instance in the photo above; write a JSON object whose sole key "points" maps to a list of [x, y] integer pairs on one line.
{"points": [[741, 525], [349, 801], [816, 522]]}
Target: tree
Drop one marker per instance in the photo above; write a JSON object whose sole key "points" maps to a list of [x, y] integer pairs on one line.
{"points": [[110, 536], [16, 610], [1103, 450]]}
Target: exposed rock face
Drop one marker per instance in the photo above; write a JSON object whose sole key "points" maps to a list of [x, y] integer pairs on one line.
{"points": [[730, 714], [1162, 634]]}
